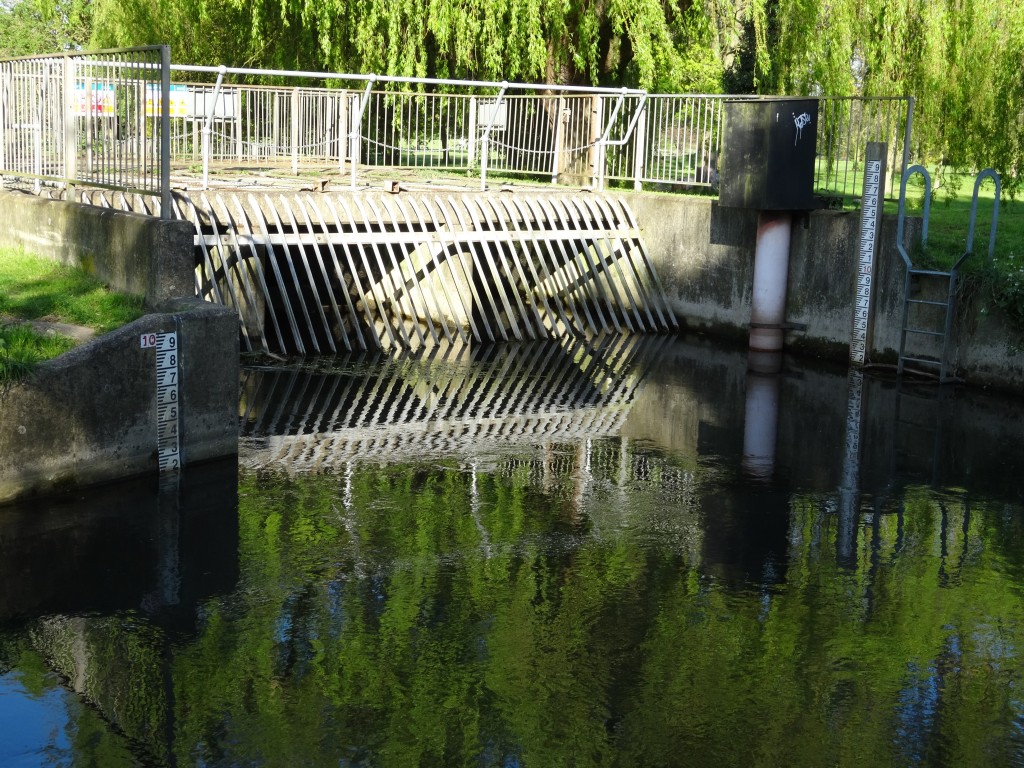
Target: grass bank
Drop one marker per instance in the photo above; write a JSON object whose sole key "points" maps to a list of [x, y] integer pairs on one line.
{"points": [[36, 289], [992, 282]]}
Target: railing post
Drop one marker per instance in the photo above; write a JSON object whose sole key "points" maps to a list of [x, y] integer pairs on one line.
{"points": [[239, 143], [37, 133], [485, 141], [211, 110], [906, 135], [559, 149], [165, 132], [357, 128], [295, 122], [70, 123], [639, 147], [342, 130], [5, 88], [275, 129], [471, 138], [595, 144]]}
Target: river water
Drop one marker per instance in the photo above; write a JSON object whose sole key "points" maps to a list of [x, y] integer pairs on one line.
{"points": [[621, 552]]}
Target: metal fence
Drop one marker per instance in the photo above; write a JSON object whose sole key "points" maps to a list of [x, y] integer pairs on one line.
{"points": [[589, 137], [113, 119], [678, 141], [96, 119]]}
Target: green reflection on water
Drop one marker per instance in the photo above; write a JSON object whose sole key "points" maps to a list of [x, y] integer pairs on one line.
{"points": [[430, 615]]}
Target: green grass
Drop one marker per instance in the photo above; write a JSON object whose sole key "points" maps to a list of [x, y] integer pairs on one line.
{"points": [[998, 281], [22, 349], [33, 288]]}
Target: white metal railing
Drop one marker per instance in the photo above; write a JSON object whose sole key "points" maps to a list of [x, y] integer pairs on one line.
{"points": [[679, 137], [420, 123], [95, 119], [571, 135], [113, 119]]}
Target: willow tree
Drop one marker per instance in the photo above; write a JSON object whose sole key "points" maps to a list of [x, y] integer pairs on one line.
{"points": [[662, 44], [30, 27], [207, 32], [961, 60]]}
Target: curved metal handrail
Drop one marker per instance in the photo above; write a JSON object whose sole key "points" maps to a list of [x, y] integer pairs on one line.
{"points": [[988, 173], [927, 209]]}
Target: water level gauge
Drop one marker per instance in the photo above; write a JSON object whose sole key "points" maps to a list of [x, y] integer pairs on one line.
{"points": [[168, 404]]}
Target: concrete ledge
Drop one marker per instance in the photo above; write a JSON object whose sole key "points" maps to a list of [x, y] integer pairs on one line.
{"points": [[90, 416], [132, 253]]}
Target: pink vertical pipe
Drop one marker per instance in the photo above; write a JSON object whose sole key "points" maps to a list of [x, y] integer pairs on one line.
{"points": [[771, 272]]}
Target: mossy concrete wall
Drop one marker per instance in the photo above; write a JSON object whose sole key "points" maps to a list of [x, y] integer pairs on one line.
{"points": [[90, 415], [135, 254], [704, 255]]}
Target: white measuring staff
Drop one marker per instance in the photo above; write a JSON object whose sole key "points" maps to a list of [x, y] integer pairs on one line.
{"points": [[870, 221], [168, 404]]}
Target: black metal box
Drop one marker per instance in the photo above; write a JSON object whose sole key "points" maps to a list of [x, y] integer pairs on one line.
{"points": [[768, 154]]}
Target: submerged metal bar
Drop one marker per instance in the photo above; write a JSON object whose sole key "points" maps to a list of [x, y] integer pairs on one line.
{"points": [[419, 270], [431, 273], [354, 275], [473, 281], [641, 303], [341, 279], [261, 278], [282, 286], [247, 292], [562, 275], [327, 281]]}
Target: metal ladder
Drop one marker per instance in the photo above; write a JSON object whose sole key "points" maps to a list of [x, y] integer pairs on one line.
{"points": [[927, 320]]}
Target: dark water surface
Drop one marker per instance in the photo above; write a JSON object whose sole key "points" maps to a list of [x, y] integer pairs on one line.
{"points": [[622, 553]]}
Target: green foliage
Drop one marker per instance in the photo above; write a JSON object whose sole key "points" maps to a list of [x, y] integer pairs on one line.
{"points": [[960, 59], [30, 27], [421, 614], [668, 47]]}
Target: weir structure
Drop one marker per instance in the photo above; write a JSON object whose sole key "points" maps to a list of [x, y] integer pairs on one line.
{"points": [[348, 211], [325, 273]]}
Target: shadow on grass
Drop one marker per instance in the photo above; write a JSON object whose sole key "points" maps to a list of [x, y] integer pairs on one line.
{"points": [[68, 295]]}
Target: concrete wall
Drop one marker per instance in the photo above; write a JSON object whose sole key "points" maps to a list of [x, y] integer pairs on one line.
{"points": [[90, 416], [704, 255], [132, 253]]}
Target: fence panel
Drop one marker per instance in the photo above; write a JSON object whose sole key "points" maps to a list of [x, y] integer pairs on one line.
{"points": [[678, 140], [97, 119], [93, 119], [845, 126]]}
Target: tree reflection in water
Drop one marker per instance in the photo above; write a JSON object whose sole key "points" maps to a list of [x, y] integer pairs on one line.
{"points": [[553, 556]]}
